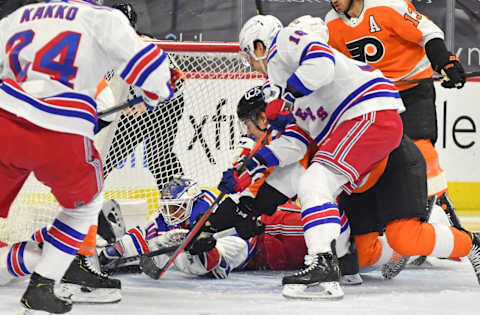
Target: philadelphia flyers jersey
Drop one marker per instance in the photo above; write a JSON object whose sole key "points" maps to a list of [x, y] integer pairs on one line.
{"points": [[389, 35], [53, 54]]}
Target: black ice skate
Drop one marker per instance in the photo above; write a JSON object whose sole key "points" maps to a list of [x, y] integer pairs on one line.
{"points": [[39, 296], [319, 280], [391, 269], [350, 267], [84, 283], [474, 255]]}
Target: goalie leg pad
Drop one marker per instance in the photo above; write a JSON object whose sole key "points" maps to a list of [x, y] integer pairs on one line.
{"points": [[111, 225]]}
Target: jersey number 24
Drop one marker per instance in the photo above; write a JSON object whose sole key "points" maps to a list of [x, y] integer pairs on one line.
{"points": [[56, 58]]}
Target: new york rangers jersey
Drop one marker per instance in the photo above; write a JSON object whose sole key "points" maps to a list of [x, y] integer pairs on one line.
{"points": [[53, 55], [335, 88]]}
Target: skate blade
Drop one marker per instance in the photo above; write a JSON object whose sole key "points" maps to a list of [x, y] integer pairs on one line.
{"points": [[84, 295], [26, 311], [355, 279], [319, 291]]}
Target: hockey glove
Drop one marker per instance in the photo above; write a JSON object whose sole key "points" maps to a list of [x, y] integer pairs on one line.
{"points": [[249, 228], [233, 182], [279, 112], [202, 245], [453, 74], [245, 145]]}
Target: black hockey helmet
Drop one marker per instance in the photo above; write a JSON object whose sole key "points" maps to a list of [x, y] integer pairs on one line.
{"points": [[128, 10], [251, 104]]}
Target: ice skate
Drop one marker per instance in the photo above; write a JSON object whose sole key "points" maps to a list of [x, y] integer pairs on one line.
{"points": [[396, 264], [319, 280], [84, 283], [39, 298], [350, 267], [474, 255]]}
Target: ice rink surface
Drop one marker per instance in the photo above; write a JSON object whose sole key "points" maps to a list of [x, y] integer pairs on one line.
{"points": [[441, 287]]}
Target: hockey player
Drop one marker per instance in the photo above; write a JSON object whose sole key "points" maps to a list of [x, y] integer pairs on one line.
{"points": [[52, 58], [394, 37], [349, 108]]}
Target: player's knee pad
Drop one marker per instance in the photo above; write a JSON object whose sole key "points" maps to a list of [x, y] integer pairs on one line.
{"points": [[408, 237], [318, 185]]}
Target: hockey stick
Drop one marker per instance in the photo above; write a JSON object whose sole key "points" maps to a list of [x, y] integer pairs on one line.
{"points": [[165, 250], [199, 225], [433, 79], [113, 109]]}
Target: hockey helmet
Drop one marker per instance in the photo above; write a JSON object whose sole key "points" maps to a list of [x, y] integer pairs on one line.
{"points": [[251, 104], [129, 12], [310, 24], [261, 28], [177, 199]]}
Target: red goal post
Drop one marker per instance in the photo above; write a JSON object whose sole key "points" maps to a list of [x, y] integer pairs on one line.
{"points": [[194, 134]]}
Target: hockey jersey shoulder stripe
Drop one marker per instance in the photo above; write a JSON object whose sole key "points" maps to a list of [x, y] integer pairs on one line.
{"points": [[316, 50]]}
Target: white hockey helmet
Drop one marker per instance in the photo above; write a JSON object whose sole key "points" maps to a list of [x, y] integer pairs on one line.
{"points": [[310, 24], [258, 28], [177, 199]]}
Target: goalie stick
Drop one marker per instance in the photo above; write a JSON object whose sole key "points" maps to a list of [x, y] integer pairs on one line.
{"points": [[433, 79], [199, 225], [165, 250]]}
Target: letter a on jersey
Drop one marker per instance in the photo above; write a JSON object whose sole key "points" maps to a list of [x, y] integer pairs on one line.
{"points": [[373, 25]]}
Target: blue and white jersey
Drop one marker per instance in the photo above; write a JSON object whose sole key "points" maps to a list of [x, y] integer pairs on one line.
{"points": [[54, 54], [334, 88]]}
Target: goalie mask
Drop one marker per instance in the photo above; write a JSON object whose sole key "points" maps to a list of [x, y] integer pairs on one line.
{"points": [[250, 105], [261, 28], [177, 199]]}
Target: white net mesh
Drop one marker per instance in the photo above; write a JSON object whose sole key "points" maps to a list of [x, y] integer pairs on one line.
{"points": [[193, 134]]}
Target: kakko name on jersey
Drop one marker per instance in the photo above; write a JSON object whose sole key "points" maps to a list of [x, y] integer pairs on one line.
{"points": [[58, 93]]}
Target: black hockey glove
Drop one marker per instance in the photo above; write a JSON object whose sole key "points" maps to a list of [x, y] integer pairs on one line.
{"points": [[453, 74], [250, 228], [202, 244]]}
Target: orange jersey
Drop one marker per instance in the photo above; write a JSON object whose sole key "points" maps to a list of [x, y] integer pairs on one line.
{"points": [[389, 35]]}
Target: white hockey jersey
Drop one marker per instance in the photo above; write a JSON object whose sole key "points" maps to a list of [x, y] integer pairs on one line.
{"points": [[53, 55], [334, 88]]}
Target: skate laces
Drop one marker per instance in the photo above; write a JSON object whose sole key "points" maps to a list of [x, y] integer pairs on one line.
{"points": [[311, 261], [93, 266]]}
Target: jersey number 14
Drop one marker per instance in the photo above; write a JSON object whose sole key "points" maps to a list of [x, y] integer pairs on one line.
{"points": [[56, 58]]}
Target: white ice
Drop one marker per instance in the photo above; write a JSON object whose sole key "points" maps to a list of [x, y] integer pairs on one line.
{"points": [[444, 287]]}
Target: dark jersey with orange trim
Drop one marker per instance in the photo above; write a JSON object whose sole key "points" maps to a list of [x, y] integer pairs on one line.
{"points": [[389, 35]]}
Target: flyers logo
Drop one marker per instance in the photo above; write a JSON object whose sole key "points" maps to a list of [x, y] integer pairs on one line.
{"points": [[366, 49]]}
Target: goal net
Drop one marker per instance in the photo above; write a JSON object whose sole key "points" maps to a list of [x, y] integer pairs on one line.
{"points": [[193, 134]]}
